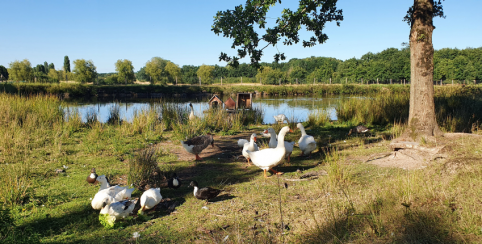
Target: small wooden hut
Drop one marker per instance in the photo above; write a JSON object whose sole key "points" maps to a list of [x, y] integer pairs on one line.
{"points": [[215, 102], [230, 104], [244, 100]]}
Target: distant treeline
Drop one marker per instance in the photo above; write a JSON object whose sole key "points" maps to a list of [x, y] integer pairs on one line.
{"points": [[390, 65]]}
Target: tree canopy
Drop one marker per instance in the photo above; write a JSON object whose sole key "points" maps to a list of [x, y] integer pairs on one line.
{"points": [[3, 73], [125, 71], [85, 71], [66, 64], [155, 68], [21, 70]]}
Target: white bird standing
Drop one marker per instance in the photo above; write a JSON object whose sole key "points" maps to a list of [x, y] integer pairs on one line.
{"points": [[268, 158], [306, 143], [150, 199], [273, 143], [280, 118], [248, 145]]}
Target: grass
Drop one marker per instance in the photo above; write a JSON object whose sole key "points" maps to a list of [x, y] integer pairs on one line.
{"points": [[355, 202]]}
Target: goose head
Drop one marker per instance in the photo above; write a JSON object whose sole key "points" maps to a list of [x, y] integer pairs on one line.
{"points": [[253, 137]]}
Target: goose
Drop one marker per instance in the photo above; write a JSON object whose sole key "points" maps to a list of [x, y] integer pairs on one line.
{"points": [[273, 143], [92, 178], [196, 144], [191, 115], [267, 134], [251, 145], [150, 199], [124, 191], [306, 143], [268, 158], [280, 118], [174, 182], [204, 193], [119, 209], [359, 130], [103, 197]]}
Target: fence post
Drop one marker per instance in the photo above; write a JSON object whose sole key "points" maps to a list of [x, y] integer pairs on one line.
{"points": [[452, 82], [314, 81], [176, 80], [390, 81], [280, 81], [377, 81], [296, 81], [260, 81], [330, 80]]}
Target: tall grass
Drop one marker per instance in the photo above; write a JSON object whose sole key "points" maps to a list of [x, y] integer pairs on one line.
{"points": [[318, 118], [143, 169], [456, 109]]}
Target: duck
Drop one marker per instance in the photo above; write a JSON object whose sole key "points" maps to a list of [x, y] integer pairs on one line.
{"points": [[150, 199], [120, 209], [307, 143], [361, 129], [248, 145], [174, 182], [125, 193], [92, 178], [280, 118], [196, 144], [191, 115], [204, 193], [273, 143], [268, 158]]}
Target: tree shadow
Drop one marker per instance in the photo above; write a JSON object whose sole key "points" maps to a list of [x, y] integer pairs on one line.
{"points": [[408, 226]]}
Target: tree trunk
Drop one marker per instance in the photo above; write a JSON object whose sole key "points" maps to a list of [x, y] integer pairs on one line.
{"points": [[421, 119]]}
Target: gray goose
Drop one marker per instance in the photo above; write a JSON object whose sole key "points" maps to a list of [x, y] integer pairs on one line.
{"points": [[196, 144], [359, 130]]}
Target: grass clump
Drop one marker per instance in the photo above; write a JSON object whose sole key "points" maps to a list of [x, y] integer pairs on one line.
{"points": [[143, 169]]}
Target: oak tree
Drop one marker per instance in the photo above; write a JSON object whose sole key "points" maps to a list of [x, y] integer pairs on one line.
{"points": [[242, 23]]}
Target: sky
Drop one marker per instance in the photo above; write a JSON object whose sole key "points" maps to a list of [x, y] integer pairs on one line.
{"points": [[180, 31]]}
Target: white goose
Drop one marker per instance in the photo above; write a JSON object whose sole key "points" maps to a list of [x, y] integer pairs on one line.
{"points": [[150, 199], [306, 143], [119, 209], [280, 118], [273, 143], [191, 115], [268, 158], [125, 193], [248, 145]]}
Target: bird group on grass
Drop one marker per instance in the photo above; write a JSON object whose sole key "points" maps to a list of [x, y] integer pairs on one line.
{"points": [[115, 201]]}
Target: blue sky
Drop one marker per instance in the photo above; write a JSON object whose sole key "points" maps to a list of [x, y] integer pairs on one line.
{"points": [[180, 31]]}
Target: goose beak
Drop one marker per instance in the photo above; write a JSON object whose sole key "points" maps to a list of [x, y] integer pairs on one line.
{"points": [[291, 130], [265, 131], [255, 139]]}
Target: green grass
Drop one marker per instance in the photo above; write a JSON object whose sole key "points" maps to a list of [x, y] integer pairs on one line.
{"points": [[355, 202]]}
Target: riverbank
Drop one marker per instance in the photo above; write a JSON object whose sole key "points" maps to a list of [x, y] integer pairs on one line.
{"points": [[160, 91]]}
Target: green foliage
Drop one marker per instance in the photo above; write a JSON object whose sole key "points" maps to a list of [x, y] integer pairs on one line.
{"points": [[155, 68], [66, 64], [107, 221], [205, 72], [54, 76], [125, 71], [21, 71], [271, 76], [46, 67], [174, 72], [85, 71], [11, 233], [142, 75], [3, 73]]}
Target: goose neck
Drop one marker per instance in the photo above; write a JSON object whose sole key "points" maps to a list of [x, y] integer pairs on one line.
{"points": [[281, 139], [303, 132]]}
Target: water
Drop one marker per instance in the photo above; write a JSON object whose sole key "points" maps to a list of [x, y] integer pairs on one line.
{"points": [[297, 108]]}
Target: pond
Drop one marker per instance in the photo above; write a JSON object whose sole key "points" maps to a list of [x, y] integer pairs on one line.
{"points": [[297, 108]]}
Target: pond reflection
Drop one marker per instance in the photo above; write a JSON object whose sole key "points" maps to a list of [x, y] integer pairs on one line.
{"points": [[295, 108]]}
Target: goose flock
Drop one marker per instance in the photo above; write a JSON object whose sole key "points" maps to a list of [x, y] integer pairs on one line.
{"points": [[116, 201]]}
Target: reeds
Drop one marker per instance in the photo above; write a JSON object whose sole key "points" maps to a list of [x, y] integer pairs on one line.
{"points": [[143, 169]]}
